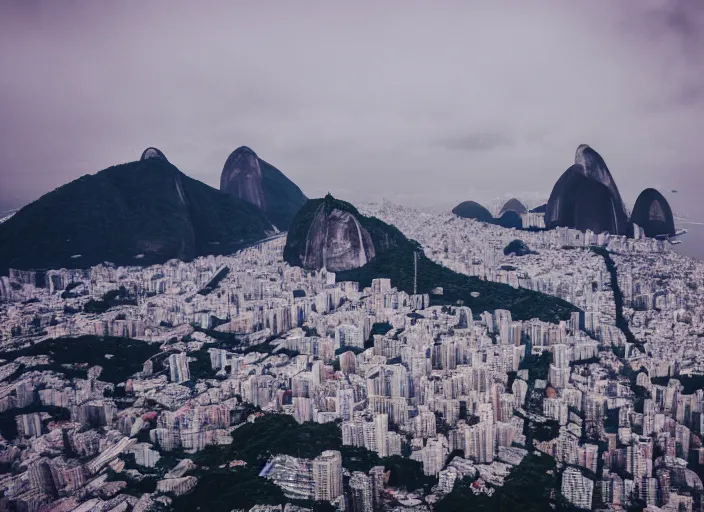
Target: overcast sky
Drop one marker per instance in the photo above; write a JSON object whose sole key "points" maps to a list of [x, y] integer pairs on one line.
{"points": [[425, 103]]}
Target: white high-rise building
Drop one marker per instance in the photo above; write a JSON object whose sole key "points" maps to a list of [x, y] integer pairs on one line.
{"points": [[577, 489], [327, 476], [362, 492], [178, 367], [345, 403], [348, 336]]}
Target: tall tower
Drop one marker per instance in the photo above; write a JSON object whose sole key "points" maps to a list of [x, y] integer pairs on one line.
{"points": [[415, 272]]}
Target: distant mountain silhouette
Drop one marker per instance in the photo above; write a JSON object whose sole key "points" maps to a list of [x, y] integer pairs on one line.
{"points": [[510, 216], [472, 210], [586, 197], [513, 205], [137, 213], [652, 212], [509, 219], [251, 179], [594, 168]]}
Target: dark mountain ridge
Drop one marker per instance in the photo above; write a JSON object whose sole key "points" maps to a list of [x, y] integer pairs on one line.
{"points": [[137, 213]]}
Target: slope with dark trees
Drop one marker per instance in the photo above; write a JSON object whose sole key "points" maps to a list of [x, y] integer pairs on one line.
{"points": [[127, 355], [472, 210], [138, 213], [652, 212], [394, 259], [248, 177], [225, 489], [533, 485]]}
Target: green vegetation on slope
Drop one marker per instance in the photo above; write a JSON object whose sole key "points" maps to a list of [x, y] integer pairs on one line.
{"points": [[128, 355], [528, 487], [394, 260], [111, 299], [8, 424], [146, 208], [273, 434], [398, 266], [224, 489]]}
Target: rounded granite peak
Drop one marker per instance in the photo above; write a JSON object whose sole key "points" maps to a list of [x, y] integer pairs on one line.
{"points": [[580, 151], [152, 152], [582, 202], [652, 212], [472, 210], [244, 150], [513, 205], [242, 177]]}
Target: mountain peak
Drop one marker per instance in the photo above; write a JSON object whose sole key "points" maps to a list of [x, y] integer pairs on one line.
{"points": [[472, 210], [244, 150], [251, 179], [652, 212], [152, 152], [330, 233], [242, 177], [513, 205], [137, 213]]}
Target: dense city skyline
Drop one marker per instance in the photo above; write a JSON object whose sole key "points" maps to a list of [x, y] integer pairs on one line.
{"points": [[351, 256]]}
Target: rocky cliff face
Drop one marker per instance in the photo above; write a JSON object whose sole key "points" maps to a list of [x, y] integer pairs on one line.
{"points": [[152, 153], [586, 197], [594, 167], [251, 179], [336, 241], [332, 234], [242, 177]]}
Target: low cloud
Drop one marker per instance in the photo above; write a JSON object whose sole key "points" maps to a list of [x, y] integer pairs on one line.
{"points": [[475, 142]]}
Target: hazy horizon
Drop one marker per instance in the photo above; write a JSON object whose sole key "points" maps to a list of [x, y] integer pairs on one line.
{"points": [[404, 101]]}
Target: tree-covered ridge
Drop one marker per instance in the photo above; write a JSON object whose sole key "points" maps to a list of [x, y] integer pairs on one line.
{"points": [[119, 357], [225, 488], [138, 213], [394, 260]]}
